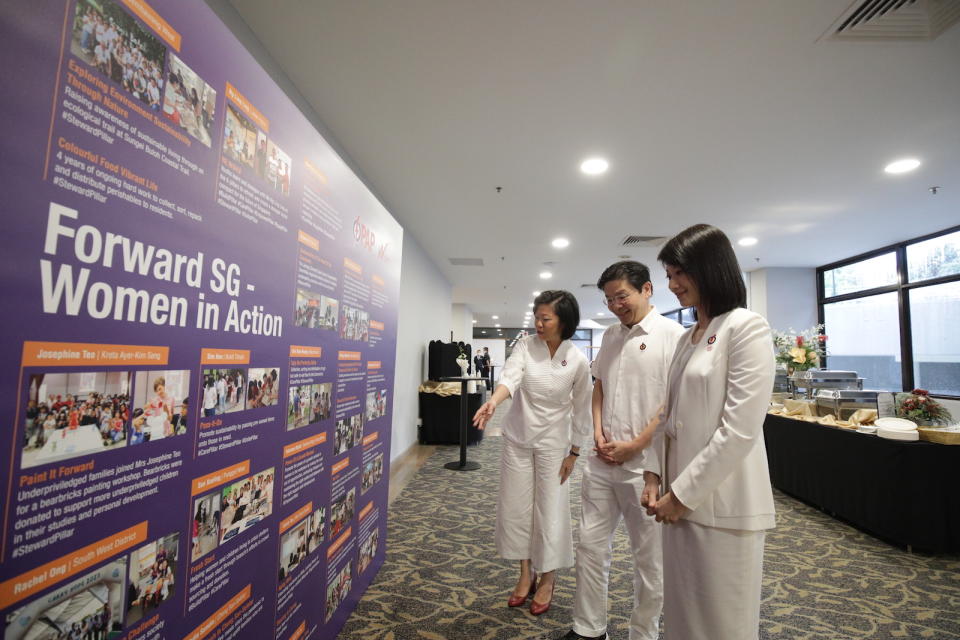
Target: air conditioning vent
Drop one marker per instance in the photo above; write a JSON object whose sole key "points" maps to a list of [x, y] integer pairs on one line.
{"points": [[873, 20], [643, 241], [589, 285], [466, 262]]}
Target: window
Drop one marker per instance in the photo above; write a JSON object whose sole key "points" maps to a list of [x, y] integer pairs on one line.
{"points": [[861, 276], [935, 315], [893, 315], [864, 336]]}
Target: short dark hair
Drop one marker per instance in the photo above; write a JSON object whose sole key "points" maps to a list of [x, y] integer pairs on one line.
{"points": [[565, 306], [706, 255], [636, 273]]}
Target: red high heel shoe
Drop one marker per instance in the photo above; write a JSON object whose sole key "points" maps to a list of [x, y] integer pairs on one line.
{"points": [[538, 609], [519, 601]]}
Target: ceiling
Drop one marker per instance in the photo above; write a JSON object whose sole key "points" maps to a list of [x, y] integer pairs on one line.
{"points": [[733, 113]]}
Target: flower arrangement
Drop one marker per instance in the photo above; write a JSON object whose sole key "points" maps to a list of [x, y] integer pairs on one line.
{"points": [[800, 351], [921, 408]]}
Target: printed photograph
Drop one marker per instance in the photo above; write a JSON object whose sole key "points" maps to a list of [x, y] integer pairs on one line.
{"points": [[152, 570], [112, 41], [315, 529], [245, 503], [189, 102], [341, 512], [278, 168], [376, 404], [348, 433], [372, 473], [320, 401], [74, 414], [239, 137], [91, 606], [161, 405], [205, 527], [222, 391], [354, 324], [368, 549], [263, 390], [338, 589], [299, 406], [315, 311]]}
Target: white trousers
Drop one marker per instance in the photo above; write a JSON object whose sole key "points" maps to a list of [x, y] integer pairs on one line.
{"points": [[533, 509], [712, 580], [610, 493]]}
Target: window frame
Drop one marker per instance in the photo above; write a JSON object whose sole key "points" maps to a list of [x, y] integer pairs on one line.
{"points": [[902, 288]]}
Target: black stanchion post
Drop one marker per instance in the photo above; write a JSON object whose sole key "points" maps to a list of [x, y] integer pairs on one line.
{"points": [[462, 464]]}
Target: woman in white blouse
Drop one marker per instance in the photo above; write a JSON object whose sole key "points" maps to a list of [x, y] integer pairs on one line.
{"points": [[716, 498], [549, 420]]}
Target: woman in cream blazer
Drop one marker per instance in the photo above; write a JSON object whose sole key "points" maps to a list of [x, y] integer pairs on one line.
{"points": [[716, 495]]}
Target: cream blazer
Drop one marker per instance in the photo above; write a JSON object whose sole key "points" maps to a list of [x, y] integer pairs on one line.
{"points": [[712, 435]]}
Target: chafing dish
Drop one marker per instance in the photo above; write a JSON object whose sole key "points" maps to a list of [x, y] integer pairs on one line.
{"points": [[843, 403], [812, 380]]}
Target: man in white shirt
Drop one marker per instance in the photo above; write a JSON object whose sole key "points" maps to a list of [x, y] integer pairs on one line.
{"points": [[631, 377]]}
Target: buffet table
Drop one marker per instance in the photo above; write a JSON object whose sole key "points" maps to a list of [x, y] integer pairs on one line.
{"points": [[907, 493]]}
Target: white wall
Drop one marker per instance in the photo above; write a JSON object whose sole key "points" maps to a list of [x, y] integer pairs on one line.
{"points": [[425, 315], [461, 323], [786, 297]]}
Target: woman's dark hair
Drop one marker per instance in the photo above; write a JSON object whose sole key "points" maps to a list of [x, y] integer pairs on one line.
{"points": [[566, 308], [635, 273], [706, 255]]}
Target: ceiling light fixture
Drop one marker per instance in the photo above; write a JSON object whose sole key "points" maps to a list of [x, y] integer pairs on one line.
{"points": [[495, 317], [474, 322], [530, 305], [545, 275], [747, 242], [496, 325], [594, 166], [560, 243], [536, 293], [903, 165]]}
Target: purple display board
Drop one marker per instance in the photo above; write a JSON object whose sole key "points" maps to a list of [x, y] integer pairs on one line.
{"points": [[200, 318]]}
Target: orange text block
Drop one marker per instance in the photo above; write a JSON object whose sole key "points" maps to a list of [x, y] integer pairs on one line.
{"points": [[217, 478], [300, 351], [377, 280], [366, 510], [339, 543], [295, 517], [374, 364], [25, 585], [224, 356], [352, 266], [367, 439], [308, 240], [340, 466], [248, 109], [146, 13], [299, 631], [79, 354], [221, 614], [348, 355], [319, 175], [374, 324], [294, 448]]}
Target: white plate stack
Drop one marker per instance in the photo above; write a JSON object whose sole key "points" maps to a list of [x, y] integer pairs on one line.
{"points": [[897, 429]]}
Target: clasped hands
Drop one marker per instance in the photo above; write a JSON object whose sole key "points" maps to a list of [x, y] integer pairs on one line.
{"points": [[667, 509]]}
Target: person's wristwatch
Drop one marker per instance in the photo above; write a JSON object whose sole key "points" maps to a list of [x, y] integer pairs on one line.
{"points": [[574, 453]]}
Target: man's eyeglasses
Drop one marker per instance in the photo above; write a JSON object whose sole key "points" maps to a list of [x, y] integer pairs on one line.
{"points": [[620, 298]]}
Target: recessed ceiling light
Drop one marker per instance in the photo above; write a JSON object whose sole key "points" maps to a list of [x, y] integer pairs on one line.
{"points": [[530, 305], [484, 332], [536, 293], [495, 317], [560, 243], [545, 275], [599, 313], [474, 322], [594, 166], [496, 325], [902, 166], [747, 242]]}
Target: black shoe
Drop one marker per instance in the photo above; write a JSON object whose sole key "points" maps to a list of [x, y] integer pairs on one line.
{"points": [[573, 635]]}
